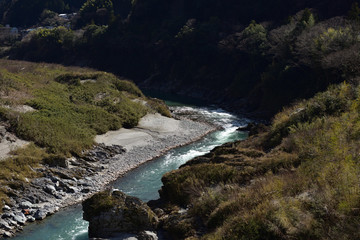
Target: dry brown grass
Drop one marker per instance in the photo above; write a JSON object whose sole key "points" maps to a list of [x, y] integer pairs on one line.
{"points": [[305, 185]]}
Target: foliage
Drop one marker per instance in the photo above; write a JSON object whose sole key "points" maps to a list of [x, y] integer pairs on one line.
{"points": [[94, 33], [68, 117], [71, 106], [188, 28], [254, 38], [354, 12], [126, 86], [51, 36], [15, 170], [24, 13], [209, 44], [96, 11], [159, 106], [178, 187], [307, 20], [332, 102], [49, 43], [93, 5], [335, 40], [303, 187], [47, 14]]}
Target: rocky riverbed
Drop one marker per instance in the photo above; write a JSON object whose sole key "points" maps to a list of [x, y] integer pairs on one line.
{"points": [[69, 181]]}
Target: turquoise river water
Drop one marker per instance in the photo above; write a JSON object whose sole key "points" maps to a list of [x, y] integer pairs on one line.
{"points": [[144, 181]]}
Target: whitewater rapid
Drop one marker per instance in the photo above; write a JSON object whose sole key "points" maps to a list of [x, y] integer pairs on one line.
{"points": [[145, 181]]}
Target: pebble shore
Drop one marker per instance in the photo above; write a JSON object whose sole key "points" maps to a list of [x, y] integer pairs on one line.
{"points": [[78, 178]]}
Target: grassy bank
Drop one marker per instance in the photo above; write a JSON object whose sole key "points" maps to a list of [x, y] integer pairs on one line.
{"points": [[297, 180], [65, 109]]}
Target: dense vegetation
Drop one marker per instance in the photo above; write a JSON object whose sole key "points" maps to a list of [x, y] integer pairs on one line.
{"points": [[297, 180], [70, 106], [22, 13], [211, 51]]}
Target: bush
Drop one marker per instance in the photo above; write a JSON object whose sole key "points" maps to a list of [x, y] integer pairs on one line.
{"points": [[254, 39], [333, 40], [67, 124], [101, 12], [159, 106], [93, 5], [48, 44], [17, 169], [305, 185], [94, 34], [127, 86], [69, 112], [181, 186], [330, 103], [74, 78], [60, 134]]}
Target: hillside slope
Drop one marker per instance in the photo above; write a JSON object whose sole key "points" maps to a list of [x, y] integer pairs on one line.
{"points": [[59, 111], [224, 52], [297, 179]]}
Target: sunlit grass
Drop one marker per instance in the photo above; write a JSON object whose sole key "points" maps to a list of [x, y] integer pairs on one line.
{"points": [[299, 180], [71, 106]]}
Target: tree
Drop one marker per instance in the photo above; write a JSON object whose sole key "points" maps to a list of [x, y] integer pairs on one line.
{"points": [[92, 6], [99, 12], [354, 13], [254, 39], [27, 13]]}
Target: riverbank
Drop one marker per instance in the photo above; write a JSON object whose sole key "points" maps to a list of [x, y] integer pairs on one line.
{"points": [[295, 179], [72, 180]]}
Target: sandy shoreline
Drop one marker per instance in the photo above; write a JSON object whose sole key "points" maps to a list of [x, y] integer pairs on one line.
{"points": [[150, 128], [153, 136]]}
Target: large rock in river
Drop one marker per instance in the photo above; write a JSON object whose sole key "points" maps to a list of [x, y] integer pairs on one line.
{"points": [[113, 213]]}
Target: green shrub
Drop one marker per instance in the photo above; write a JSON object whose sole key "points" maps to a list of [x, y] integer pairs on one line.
{"points": [[69, 113], [21, 166], [183, 185], [354, 13], [159, 106], [100, 12], [94, 34], [333, 102], [60, 134], [127, 86], [335, 39], [93, 5], [303, 187], [74, 78], [255, 38], [53, 36]]}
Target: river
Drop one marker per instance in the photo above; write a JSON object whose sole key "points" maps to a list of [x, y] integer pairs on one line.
{"points": [[144, 181]]}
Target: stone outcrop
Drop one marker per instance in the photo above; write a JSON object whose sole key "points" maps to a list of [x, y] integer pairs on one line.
{"points": [[111, 213]]}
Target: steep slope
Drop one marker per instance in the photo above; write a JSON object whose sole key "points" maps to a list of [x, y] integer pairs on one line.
{"points": [[299, 179], [212, 51]]}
